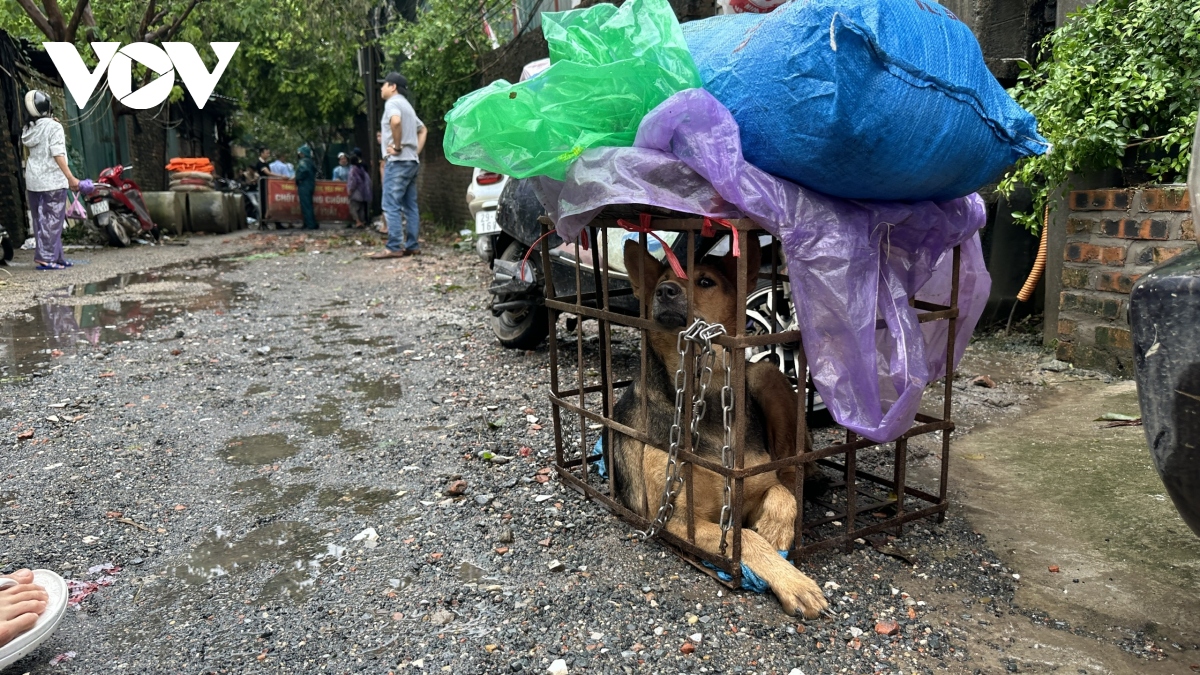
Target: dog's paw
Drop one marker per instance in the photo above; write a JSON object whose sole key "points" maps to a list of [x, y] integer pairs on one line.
{"points": [[800, 595]]}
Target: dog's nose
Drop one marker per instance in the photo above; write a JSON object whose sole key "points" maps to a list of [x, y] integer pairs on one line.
{"points": [[668, 291]]}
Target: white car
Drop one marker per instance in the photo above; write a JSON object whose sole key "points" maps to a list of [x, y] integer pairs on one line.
{"points": [[482, 197]]}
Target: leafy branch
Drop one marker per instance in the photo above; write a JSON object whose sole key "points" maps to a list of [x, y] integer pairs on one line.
{"points": [[1117, 91], [441, 57]]}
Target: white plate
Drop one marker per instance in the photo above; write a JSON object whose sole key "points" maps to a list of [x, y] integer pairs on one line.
{"points": [[485, 222], [98, 207]]}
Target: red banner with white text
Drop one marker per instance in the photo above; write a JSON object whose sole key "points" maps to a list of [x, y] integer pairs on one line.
{"points": [[331, 203]]}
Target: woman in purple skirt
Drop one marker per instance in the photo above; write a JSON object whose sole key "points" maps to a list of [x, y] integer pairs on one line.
{"points": [[47, 180]]}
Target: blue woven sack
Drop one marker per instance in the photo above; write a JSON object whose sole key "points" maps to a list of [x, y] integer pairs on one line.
{"points": [[864, 99]]}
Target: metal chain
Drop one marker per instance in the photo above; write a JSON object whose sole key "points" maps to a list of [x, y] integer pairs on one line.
{"points": [[701, 334], [727, 453]]}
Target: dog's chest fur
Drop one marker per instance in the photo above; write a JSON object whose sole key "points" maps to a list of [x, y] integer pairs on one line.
{"points": [[658, 418]]}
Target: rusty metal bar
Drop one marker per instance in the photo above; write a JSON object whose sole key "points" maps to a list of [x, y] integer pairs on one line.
{"points": [[801, 449], [595, 388], [552, 341], [948, 388], [848, 539], [606, 360], [899, 471]]}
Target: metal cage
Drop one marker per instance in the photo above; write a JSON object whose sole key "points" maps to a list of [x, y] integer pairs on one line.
{"points": [[855, 504]]}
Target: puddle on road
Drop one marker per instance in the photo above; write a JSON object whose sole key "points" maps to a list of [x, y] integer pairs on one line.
{"points": [[326, 421], [470, 574], [260, 390], [323, 422], [297, 552], [386, 389], [364, 501], [271, 498], [259, 449], [110, 311], [341, 324]]}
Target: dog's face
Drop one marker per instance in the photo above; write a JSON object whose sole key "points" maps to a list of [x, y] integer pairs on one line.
{"points": [[712, 286]]}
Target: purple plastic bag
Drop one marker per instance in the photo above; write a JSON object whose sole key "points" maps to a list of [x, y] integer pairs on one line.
{"points": [[850, 262]]}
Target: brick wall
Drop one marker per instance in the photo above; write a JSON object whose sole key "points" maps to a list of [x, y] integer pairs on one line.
{"points": [[442, 186], [147, 150], [1112, 238]]}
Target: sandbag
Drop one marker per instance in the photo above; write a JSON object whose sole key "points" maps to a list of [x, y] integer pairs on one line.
{"points": [[191, 181], [610, 67], [204, 175], [864, 99]]}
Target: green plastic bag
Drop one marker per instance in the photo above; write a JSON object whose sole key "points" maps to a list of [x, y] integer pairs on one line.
{"points": [[611, 66]]}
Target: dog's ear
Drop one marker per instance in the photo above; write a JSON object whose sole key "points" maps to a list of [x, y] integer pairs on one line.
{"points": [[753, 254], [643, 269]]}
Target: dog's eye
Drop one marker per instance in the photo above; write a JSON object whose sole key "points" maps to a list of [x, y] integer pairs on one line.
{"points": [[705, 282]]}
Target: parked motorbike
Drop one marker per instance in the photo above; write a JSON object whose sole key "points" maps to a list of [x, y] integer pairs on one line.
{"points": [[115, 208], [249, 193]]}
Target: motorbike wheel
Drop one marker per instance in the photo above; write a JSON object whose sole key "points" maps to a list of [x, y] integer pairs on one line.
{"points": [[118, 234], [523, 328]]}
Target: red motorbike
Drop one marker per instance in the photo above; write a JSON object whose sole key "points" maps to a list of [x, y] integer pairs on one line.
{"points": [[115, 207]]}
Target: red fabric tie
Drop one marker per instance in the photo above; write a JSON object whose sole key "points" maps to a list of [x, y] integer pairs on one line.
{"points": [[643, 227], [708, 231]]}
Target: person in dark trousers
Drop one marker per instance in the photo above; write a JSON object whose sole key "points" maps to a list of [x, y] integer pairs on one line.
{"points": [[262, 169], [358, 188], [402, 137], [306, 184]]}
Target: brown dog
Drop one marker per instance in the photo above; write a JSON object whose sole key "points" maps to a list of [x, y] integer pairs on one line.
{"points": [[639, 469]]}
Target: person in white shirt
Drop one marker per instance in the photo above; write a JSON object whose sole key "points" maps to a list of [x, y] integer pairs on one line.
{"points": [[47, 180]]}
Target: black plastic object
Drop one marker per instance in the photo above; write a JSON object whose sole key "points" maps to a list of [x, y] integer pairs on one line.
{"points": [[1164, 310], [518, 210]]}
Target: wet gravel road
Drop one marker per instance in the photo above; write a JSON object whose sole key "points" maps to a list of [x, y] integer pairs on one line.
{"points": [[283, 454]]}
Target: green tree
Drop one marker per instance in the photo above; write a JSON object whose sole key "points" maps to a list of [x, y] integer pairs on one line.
{"points": [[441, 54], [1119, 89]]}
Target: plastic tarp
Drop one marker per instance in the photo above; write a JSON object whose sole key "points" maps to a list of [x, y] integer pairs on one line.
{"points": [[611, 66], [864, 99], [851, 263]]}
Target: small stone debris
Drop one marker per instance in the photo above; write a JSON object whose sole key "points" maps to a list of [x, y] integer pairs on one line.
{"points": [[1054, 569], [559, 667], [687, 648], [556, 566], [484, 499], [456, 488], [441, 617], [984, 381], [888, 627]]}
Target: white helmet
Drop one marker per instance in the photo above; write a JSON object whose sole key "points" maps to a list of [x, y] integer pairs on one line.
{"points": [[37, 104]]}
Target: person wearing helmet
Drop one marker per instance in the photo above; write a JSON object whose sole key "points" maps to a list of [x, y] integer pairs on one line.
{"points": [[306, 185], [47, 180]]}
